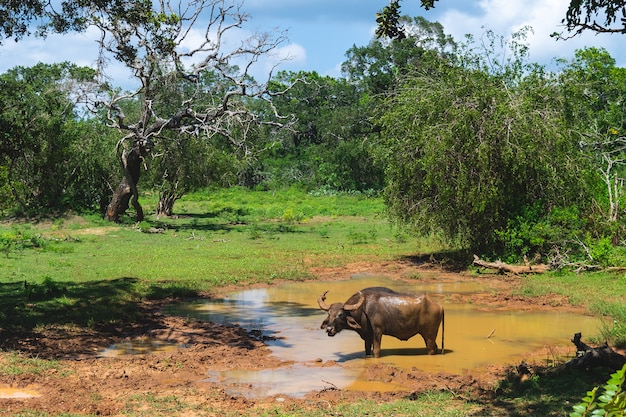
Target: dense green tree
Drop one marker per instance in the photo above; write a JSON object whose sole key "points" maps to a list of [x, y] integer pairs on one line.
{"points": [[327, 145], [596, 110], [596, 88], [40, 17], [467, 150], [51, 159], [377, 66]]}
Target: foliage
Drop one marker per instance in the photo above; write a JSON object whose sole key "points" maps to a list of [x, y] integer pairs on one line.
{"points": [[21, 18], [587, 14], [52, 159], [595, 88], [387, 21], [377, 66], [611, 402], [534, 232], [328, 145], [19, 238], [466, 150]]}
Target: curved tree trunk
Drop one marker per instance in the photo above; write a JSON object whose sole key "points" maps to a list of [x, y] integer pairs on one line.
{"points": [[131, 161]]}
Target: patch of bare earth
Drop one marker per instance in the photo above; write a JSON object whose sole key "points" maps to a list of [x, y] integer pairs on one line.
{"points": [[87, 384]]}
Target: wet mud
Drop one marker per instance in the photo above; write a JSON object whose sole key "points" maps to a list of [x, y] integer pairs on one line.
{"points": [[224, 367]]}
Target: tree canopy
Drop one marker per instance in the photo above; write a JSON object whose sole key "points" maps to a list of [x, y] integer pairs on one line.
{"points": [[51, 159]]}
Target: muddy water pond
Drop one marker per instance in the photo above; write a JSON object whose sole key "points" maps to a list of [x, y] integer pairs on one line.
{"points": [[289, 319]]}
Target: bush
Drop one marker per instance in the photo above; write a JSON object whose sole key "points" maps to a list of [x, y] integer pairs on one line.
{"points": [[533, 232], [612, 402]]}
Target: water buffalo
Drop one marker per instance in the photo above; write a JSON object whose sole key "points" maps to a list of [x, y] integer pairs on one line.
{"points": [[374, 312]]}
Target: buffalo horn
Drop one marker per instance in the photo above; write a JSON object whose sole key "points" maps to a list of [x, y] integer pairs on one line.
{"points": [[352, 307], [321, 302]]}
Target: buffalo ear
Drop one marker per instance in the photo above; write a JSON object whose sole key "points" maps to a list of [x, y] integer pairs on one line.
{"points": [[324, 324], [352, 323]]}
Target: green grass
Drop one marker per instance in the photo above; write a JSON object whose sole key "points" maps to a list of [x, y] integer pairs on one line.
{"points": [[20, 364], [86, 271], [83, 271], [427, 404]]}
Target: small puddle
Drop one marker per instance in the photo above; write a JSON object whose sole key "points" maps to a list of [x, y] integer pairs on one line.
{"points": [[18, 393], [288, 315], [286, 380], [137, 347]]}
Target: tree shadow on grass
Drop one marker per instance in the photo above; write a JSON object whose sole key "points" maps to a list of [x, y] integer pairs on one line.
{"points": [[549, 394], [451, 260], [75, 318]]}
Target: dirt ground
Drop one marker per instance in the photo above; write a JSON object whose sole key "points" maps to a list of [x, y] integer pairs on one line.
{"points": [[86, 384]]}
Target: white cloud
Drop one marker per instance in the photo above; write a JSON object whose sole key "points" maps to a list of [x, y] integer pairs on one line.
{"points": [[505, 17], [293, 53]]}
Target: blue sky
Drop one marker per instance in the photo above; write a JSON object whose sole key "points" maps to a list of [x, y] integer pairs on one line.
{"points": [[321, 31]]}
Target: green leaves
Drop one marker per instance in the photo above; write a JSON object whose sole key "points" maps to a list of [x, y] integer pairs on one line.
{"points": [[46, 148], [388, 20], [611, 403], [597, 15], [467, 149]]}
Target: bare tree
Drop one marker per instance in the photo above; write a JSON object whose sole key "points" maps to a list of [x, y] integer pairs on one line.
{"points": [[162, 44], [609, 151]]}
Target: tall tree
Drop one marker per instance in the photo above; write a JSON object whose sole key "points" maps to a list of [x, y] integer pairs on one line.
{"points": [[164, 45], [467, 149], [44, 145], [596, 110], [327, 145], [377, 66]]}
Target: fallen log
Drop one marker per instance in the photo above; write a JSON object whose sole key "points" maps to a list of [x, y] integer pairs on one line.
{"points": [[503, 267], [588, 357]]}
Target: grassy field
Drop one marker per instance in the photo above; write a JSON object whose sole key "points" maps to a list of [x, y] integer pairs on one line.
{"points": [[83, 270]]}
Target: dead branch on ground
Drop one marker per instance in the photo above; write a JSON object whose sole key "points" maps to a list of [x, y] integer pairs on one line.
{"points": [[503, 267]]}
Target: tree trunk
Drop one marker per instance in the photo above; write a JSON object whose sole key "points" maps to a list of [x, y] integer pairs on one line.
{"points": [[590, 357], [165, 207], [131, 162]]}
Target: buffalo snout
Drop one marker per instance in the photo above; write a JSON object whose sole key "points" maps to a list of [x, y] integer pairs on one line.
{"points": [[330, 331]]}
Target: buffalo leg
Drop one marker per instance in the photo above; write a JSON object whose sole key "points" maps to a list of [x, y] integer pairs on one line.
{"points": [[431, 344], [368, 347], [377, 338]]}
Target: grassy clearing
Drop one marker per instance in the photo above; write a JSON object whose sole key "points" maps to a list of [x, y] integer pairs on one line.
{"points": [[85, 271]]}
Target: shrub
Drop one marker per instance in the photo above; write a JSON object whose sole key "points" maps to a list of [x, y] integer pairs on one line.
{"points": [[612, 402]]}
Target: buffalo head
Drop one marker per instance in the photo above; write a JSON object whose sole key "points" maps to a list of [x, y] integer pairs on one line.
{"points": [[339, 316]]}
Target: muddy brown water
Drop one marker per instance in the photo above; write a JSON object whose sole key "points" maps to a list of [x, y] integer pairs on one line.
{"points": [[289, 318]]}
